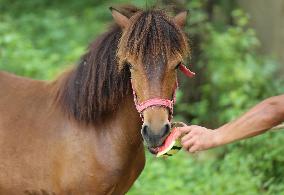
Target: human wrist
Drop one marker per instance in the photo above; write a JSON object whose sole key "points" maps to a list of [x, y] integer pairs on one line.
{"points": [[218, 138]]}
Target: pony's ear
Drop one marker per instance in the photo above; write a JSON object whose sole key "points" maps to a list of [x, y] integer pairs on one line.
{"points": [[119, 18], [180, 18]]}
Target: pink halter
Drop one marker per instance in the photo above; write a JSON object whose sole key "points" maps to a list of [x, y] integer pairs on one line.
{"points": [[161, 102]]}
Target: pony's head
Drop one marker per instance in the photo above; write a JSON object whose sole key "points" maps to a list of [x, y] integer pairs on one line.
{"points": [[152, 45]]}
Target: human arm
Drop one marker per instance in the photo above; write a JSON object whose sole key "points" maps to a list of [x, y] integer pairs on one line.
{"points": [[257, 120]]}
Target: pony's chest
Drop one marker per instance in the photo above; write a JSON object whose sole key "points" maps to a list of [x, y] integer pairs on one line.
{"points": [[99, 171], [80, 174], [73, 162]]}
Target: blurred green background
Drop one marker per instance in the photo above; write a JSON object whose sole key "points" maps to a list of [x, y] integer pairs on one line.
{"points": [[40, 38]]}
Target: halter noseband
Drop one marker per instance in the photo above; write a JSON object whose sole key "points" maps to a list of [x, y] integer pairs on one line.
{"points": [[166, 103]]}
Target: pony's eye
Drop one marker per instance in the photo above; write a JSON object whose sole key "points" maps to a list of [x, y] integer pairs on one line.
{"points": [[129, 65], [176, 67]]}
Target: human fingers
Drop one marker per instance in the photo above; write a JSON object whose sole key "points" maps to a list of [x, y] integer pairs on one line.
{"points": [[194, 149], [184, 129], [187, 137], [180, 131], [188, 144]]}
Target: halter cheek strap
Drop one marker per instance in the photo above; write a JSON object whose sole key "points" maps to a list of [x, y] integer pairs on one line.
{"points": [[166, 103]]}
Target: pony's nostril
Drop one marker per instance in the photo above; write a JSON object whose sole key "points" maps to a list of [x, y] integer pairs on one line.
{"points": [[165, 130], [145, 130]]}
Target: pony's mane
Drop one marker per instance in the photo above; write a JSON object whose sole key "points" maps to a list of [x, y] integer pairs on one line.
{"points": [[96, 87]]}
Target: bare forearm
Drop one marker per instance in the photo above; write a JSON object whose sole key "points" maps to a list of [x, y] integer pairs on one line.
{"points": [[257, 120]]}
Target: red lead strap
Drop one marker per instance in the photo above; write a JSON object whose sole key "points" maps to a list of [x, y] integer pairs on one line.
{"points": [[186, 71]]}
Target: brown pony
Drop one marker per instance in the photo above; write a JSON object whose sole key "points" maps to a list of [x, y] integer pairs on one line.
{"points": [[80, 134]]}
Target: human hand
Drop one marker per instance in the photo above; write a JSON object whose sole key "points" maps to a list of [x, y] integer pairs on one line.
{"points": [[196, 138]]}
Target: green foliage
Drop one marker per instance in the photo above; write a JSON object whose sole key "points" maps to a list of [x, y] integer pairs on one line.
{"points": [[41, 38], [237, 76], [37, 40]]}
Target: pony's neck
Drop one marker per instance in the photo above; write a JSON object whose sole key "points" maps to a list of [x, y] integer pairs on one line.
{"points": [[95, 89]]}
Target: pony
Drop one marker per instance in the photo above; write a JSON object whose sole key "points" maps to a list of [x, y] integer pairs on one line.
{"points": [[80, 133]]}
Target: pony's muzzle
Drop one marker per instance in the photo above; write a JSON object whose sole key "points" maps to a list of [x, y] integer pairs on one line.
{"points": [[153, 139], [156, 126]]}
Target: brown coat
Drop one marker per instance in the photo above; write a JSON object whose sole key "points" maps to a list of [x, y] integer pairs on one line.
{"points": [[42, 151]]}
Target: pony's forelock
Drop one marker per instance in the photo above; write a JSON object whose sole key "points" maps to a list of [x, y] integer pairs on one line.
{"points": [[152, 33]]}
